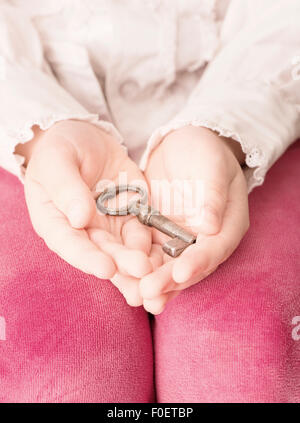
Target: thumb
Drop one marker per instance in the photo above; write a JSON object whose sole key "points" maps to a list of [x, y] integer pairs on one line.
{"points": [[213, 208], [58, 172], [80, 210]]}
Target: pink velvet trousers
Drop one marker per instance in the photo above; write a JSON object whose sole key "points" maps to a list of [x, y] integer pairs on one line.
{"points": [[68, 337]]}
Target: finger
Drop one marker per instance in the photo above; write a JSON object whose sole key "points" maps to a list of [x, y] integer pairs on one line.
{"points": [[157, 305], [166, 284], [129, 288], [210, 251], [197, 277], [212, 210], [159, 237], [72, 245], [156, 256], [167, 258], [137, 236], [161, 281], [157, 282], [57, 170], [128, 261]]}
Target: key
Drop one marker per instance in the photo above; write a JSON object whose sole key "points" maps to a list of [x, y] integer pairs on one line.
{"points": [[181, 238], [147, 215]]}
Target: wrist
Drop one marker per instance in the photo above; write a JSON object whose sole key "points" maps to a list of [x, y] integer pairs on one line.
{"points": [[235, 148], [203, 133], [232, 145], [26, 149], [70, 130]]}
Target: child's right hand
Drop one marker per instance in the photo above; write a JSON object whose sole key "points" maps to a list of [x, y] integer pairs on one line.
{"points": [[64, 165]]}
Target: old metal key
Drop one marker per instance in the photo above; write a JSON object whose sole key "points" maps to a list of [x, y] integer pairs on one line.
{"points": [[181, 238]]}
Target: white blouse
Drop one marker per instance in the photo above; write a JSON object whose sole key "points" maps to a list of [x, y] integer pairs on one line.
{"points": [[139, 69]]}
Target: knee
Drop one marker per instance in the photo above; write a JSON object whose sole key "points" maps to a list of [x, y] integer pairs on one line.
{"points": [[73, 341], [68, 336], [226, 347]]}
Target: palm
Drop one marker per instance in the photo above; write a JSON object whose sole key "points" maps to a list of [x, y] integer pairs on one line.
{"points": [[118, 226], [197, 169], [67, 164]]}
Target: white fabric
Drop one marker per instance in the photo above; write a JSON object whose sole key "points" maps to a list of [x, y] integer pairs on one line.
{"points": [[143, 68]]}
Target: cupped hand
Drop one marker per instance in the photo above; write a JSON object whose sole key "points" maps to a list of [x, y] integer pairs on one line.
{"points": [[202, 163], [65, 164]]}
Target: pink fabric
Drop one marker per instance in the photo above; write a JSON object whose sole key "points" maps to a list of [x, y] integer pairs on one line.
{"points": [[71, 337], [229, 338]]}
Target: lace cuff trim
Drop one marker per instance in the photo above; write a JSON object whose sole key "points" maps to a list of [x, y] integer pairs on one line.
{"points": [[25, 134], [255, 157]]}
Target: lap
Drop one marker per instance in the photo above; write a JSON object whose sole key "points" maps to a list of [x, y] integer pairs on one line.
{"points": [[229, 338], [72, 337], [69, 336]]}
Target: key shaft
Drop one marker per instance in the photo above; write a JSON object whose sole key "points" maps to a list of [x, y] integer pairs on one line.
{"points": [[151, 217]]}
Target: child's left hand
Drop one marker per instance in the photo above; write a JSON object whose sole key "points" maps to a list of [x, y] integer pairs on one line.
{"points": [[195, 153]]}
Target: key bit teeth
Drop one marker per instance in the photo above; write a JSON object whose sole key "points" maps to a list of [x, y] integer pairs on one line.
{"points": [[175, 247]]}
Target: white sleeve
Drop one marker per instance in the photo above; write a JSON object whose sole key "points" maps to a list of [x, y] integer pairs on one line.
{"points": [[251, 90], [29, 93]]}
